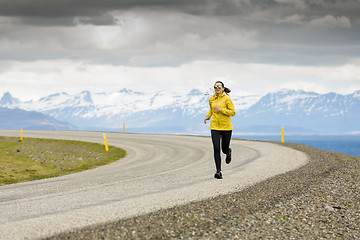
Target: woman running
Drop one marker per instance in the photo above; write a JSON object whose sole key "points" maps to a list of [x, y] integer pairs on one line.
{"points": [[221, 108]]}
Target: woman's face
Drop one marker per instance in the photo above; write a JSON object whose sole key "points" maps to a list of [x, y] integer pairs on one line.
{"points": [[218, 88]]}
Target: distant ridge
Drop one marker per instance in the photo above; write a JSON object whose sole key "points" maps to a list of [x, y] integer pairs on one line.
{"points": [[21, 119]]}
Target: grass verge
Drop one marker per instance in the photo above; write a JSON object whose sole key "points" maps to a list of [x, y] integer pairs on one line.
{"points": [[36, 158]]}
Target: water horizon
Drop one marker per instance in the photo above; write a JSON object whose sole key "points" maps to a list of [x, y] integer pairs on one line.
{"points": [[343, 143]]}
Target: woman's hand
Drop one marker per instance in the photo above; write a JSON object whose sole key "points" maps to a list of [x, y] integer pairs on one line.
{"points": [[207, 118], [216, 109]]}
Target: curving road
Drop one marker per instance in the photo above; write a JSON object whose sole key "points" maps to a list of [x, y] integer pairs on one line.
{"points": [[159, 171]]}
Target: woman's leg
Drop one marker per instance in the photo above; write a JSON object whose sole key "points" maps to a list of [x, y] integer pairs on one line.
{"points": [[225, 141], [215, 137]]}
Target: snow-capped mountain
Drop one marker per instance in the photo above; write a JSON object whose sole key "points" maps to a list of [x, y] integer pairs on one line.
{"points": [[8, 101], [305, 111], [147, 112], [169, 112]]}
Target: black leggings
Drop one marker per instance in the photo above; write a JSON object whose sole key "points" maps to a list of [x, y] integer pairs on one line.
{"points": [[225, 137]]}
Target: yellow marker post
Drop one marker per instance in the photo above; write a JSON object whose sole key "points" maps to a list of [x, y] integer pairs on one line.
{"points": [[282, 134], [123, 127], [21, 134], [105, 141]]}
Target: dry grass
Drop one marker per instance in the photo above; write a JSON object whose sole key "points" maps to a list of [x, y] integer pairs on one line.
{"points": [[35, 158]]}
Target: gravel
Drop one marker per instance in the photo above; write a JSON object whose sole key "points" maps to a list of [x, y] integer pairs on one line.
{"points": [[319, 200]]}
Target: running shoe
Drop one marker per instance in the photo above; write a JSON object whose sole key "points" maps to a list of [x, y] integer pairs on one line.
{"points": [[218, 175], [228, 157]]}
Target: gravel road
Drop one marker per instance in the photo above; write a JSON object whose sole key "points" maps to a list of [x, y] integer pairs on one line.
{"points": [[159, 172]]}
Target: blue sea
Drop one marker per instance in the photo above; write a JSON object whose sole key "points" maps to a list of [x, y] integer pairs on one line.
{"points": [[347, 144]]}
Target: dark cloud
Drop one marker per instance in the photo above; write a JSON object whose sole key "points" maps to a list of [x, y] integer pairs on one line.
{"points": [[74, 8], [99, 12], [171, 32]]}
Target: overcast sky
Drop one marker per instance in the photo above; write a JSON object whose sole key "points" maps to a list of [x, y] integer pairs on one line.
{"points": [[253, 46]]}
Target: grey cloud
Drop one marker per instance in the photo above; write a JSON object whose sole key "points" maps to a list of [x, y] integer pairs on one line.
{"points": [[76, 8], [103, 19], [330, 21], [72, 12], [171, 32], [99, 12], [4, 66], [88, 8]]}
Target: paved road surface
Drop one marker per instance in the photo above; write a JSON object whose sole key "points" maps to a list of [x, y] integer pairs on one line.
{"points": [[159, 171]]}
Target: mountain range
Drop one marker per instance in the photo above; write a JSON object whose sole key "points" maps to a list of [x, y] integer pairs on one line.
{"points": [[183, 113]]}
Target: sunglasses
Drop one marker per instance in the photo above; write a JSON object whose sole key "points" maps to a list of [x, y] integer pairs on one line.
{"points": [[218, 87]]}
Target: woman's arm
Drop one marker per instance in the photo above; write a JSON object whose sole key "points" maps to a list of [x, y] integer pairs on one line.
{"points": [[230, 109], [208, 116]]}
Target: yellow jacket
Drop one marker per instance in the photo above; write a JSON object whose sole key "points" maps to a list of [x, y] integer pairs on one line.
{"points": [[221, 120]]}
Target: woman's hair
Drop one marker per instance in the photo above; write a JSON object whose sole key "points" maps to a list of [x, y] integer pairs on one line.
{"points": [[226, 90]]}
